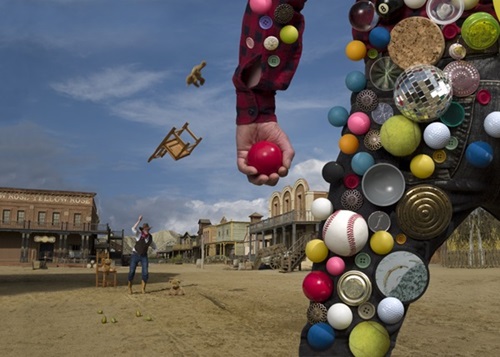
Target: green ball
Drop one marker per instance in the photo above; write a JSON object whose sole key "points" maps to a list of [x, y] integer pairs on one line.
{"points": [[400, 136], [369, 339]]}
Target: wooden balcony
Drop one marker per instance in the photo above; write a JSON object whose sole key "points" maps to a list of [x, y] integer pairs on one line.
{"points": [[62, 227], [297, 217]]}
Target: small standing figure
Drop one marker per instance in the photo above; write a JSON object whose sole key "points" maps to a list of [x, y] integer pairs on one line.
{"points": [[143, 240], [195, 77]]}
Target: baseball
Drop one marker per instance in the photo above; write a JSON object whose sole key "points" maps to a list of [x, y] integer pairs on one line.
{"points": [[345, 232]]}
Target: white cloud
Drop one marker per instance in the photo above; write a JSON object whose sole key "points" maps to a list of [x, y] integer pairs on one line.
{"points": [[110, 83]]}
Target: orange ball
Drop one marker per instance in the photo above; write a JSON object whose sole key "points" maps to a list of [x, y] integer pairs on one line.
{"points": [[355, 50], [348, 144]]}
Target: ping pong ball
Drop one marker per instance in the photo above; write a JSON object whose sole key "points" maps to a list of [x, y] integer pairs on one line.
{"points": [[339, 315], [335, 266], [415, 4], [355, 50], [470, 4], [260, 6], [422, 166], [321, 208]]}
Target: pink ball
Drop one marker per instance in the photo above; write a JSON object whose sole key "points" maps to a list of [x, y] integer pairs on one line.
{"points": [[358, 123], [317, 286], [335, 265], [260, 6]]}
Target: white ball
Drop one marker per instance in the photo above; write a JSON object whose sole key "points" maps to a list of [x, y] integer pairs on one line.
{"points": [[345, 232], [415, 4], [390, 310], [492, 124], [437, 135], [321, 208], [470, 4], [89, 265], [339, 316]]}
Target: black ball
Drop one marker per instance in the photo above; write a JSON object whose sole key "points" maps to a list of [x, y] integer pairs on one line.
{"points": [[389, 10], [332, 172]]}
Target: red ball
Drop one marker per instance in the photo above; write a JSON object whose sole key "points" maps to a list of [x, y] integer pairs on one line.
{"points": [[317, 286], [266, 157]]}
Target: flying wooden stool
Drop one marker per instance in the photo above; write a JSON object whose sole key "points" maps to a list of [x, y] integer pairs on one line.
{"points": [[175, 145], [195, 77]]}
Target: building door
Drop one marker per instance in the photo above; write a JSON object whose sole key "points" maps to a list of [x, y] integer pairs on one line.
{"points": [[46, 251]]}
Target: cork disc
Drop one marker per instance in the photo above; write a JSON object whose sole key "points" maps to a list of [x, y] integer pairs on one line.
{"points": [[416, 40]]}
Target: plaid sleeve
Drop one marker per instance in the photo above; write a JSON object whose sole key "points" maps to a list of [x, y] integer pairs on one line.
{"points": [[278, 65]]}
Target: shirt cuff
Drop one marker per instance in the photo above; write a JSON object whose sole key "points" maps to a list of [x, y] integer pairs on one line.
{"points": [[254, 106]]}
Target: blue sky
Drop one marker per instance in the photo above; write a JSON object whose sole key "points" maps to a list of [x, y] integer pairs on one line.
{"points": [[89, 88]]}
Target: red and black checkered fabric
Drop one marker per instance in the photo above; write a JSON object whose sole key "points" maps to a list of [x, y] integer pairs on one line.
{"points": [[257, 104]]}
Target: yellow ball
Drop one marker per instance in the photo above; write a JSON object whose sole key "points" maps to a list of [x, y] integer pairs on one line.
{"points": [[369, 339], [348, 144], [355, 50], [381, 242], [289, 34], [422, 166], [400, 136], [316, 250]]}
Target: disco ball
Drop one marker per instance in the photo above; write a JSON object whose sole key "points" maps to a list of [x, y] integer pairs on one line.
{"points": [[422, 93]]}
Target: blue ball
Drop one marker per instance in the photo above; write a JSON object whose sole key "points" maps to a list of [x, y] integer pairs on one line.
{"points": [[479, 154], [337, 116], [379, 37], [361, 162], [320, 336], [355, 81]]}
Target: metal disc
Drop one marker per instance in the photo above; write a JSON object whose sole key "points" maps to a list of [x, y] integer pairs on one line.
{"points": [[352, 200], [464, 77], [316, 313], [424, 212], [372, 140], [354, 288]]}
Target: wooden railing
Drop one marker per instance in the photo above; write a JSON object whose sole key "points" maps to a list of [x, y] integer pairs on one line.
{"points": [[54, 226], [282, 219]]}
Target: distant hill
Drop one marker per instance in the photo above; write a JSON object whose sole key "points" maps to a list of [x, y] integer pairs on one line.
{"points": [[163, 240]]}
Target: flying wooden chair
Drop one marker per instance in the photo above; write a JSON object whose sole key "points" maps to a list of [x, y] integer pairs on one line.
{"points": [[175, 145]]}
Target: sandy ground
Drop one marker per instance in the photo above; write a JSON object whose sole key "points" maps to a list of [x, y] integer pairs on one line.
{"points": [[54, 312]]}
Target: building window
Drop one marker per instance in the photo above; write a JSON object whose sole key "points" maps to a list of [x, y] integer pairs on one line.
{"points": [[6, 216], [41, 217], [77, 220], [20, 216], [56, 218]]}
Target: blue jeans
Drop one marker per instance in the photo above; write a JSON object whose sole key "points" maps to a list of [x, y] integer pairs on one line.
{"points": [[465, 186], [134, 260]]}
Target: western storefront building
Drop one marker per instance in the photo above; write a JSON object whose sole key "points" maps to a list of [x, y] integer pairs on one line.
{"points": [[54, 226]]}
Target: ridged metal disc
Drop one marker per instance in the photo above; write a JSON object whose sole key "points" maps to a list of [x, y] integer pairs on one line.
{"points": [[372, 140], [424, 212], [316, 313], [352, 200], [366, 100], [283, 14]]}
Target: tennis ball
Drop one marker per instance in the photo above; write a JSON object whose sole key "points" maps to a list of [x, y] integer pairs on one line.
{"points": [[289, 34], [400, 136], [316, 250], [422, 166], [369, 339]]}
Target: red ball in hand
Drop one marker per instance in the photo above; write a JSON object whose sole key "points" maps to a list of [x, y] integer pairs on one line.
{"points": [[266, 157]]}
